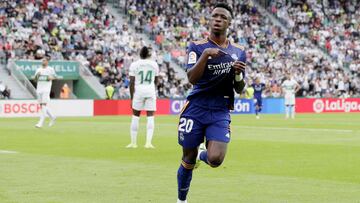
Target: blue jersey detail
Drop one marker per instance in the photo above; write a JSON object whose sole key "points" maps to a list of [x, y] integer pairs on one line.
{"points": [[215, 89], [258, 89], [197, 123]]}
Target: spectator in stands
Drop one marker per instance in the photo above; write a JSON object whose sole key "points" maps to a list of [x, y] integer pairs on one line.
{"points": [[109, 89], [87, 32], [65, 92], [4, 91], [270, 50]]}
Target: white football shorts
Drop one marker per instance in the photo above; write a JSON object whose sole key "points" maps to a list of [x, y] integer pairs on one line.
{"points": [[289, 99], [144, 103], [43, 97]]}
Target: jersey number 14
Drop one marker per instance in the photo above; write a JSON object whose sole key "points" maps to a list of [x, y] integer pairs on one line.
{"points": [[148, 77]]}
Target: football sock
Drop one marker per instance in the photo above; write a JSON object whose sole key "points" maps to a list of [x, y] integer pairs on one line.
{"points": [[292, 111], [42, 115], [48, 112], [256, 111], [287, 111], [150, 129], [203, 157], [184, 176], [134, 128]]}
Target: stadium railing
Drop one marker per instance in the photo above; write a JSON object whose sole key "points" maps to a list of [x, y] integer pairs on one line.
{"points": [[92, 81], [21, 78]]}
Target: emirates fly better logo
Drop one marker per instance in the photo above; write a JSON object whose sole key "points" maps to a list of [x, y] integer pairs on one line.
{"points": [[321, 105]]}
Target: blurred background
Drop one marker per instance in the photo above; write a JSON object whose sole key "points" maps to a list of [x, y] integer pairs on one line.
{"points": [[92, 44]]}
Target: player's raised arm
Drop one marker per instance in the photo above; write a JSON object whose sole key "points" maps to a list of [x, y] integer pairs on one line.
{"points": [[53, 75], [239, 82], [196, 71], [36, 75]]}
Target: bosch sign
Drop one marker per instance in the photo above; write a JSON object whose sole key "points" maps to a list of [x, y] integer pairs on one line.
{"points": [[19, 108]]}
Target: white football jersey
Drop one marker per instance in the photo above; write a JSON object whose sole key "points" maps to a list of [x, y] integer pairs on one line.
{"points": [[43, 84], [289, 87], [144, 71]]}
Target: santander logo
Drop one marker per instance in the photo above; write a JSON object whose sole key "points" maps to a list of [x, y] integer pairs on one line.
{"points": [[326, 105]]}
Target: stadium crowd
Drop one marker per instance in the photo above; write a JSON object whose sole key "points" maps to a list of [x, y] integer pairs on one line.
{"points": [[333, 25], [85, 30], [271, 52], [82, 30]]}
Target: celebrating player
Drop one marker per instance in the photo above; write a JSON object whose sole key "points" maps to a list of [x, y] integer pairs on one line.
{"points": [[143, 74], [258, 89], [290, 87], [44, 77], [215, 67]]}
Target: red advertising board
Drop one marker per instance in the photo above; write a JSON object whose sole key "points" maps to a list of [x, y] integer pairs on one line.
{"points": [[330, 105], [123, 107]]}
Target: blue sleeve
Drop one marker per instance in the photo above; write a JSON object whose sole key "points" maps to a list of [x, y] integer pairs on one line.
{"points": [[193, 55], [242, 56]]}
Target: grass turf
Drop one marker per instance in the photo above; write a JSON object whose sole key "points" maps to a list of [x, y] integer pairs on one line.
{"points": [[314, 158]]}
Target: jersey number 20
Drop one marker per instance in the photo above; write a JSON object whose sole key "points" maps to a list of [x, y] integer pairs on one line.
{"points": [[148, 77], [186, 125]]}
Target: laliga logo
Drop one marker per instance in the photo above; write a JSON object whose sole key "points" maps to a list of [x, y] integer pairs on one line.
{"points": [[335, 106], [318, 106]]}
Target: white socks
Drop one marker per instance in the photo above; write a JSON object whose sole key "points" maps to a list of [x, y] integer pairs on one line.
{"points": [[181, 201], [287, 111], [42, 115], [293, 111], [134, 128], [47, 110], [149, 129], [290, 110]]}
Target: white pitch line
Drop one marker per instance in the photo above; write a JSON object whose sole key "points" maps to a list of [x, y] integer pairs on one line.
{"points": [[300, 129], [7, 152]]}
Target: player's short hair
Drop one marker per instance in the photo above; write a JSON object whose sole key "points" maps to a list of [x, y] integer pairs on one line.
{"points": [[225, 6], [145, 52]]}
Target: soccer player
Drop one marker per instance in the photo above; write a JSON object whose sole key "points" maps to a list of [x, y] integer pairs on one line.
{"points": [[258, 89], [215, 67], [143, 75], [44, 77], [290, 87]]}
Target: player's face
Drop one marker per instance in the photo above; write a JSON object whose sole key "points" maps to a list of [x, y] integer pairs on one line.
{"points": [[257, 81], [45, 63], [220, 20]]}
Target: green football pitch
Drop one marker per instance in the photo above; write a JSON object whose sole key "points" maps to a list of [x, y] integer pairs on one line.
{"points": [[314, 158]]}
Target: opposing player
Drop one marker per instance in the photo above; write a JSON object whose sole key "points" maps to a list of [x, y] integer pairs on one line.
{"points": [[215, 67], [143, 76], [44, 77], [290, 87], [258, 89]]}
